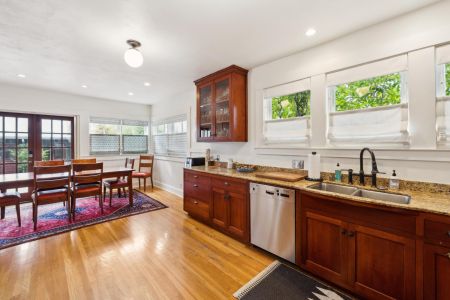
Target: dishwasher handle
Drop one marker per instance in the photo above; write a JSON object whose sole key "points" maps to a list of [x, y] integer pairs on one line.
{"points": [[270, 193]]}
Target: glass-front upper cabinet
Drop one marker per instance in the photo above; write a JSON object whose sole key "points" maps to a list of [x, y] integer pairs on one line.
{"points": [[222, 106]]}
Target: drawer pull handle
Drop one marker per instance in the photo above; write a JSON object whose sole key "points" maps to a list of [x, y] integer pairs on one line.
{"points": [[195, 202], [195, 176], [351, 234], [448, 233], [448, 255], [343, 232], [226, 183], [195, 185]]}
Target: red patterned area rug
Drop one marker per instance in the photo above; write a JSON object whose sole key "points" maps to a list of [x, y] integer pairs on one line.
{"points": [[52, 218]]}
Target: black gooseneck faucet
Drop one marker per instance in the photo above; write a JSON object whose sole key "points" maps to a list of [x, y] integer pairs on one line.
{"points": [[374, 168]]}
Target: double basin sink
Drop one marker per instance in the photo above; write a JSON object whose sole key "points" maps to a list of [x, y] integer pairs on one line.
{"points": [[358, 192]]}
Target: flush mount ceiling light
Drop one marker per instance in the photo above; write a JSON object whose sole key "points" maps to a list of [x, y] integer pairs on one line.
{"points": [[133, 57], [21, 75], [130, 93], [310, 32], [147, 84], [84, 86]]}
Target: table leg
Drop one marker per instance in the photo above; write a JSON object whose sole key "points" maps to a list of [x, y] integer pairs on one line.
{"points": [[130, 189]]}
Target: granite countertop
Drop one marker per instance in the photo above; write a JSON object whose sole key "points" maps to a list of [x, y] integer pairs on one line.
{"points": [[421, 200]]}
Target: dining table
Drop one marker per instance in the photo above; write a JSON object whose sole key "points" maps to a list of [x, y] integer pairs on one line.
{"points": [[22, 180]]}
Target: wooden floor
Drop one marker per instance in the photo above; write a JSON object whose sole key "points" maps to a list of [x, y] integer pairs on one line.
{"points": [[157, 255]]}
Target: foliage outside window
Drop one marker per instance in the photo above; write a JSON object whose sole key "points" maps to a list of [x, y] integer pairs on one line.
{"points": [[118, 137], [447, 79], [374, 92], [291, 106]]}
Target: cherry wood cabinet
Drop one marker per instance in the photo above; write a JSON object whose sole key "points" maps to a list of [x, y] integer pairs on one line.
{"points": [[339, 243], [219, 201], [222, 106]]}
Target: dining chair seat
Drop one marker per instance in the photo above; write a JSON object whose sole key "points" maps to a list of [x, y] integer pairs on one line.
{"points": [[116, 183], [83, 189], [141, 174], [10, 198], [51, 194]]}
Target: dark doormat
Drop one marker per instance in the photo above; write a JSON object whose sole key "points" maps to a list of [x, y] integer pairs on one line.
{"points": [[280, 281]]}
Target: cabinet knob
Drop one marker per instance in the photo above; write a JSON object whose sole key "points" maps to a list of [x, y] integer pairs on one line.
{"points": [[226, 183], [351, 234], [448, 233], [343, 231], [448, 255], [195, 202], [195, 185], [195, 176]]}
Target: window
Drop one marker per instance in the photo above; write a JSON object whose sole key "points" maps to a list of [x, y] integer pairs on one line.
{"points": [[287, 111], [443, 94], [113, 136], [56, 138], [369, 103], [169, 136]]}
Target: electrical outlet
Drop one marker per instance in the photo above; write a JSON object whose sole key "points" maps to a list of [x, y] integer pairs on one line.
{"points": [[298, 164]]}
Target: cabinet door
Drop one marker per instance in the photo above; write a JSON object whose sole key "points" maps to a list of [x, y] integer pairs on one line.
{"points": [[205, 112], [436, 272], [324, 247], [382, 265], [219, 211], [238, 215], [222, 112]]}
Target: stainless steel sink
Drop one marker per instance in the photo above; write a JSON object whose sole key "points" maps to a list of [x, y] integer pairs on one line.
{"points": [[383, 196], [334, 188], [353, 191]]}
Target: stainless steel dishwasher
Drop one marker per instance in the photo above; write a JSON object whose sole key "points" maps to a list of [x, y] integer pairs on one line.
{"points": [[272, 217]]}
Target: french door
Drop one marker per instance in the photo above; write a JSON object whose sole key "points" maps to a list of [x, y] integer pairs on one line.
{"points": [[25, 138]]}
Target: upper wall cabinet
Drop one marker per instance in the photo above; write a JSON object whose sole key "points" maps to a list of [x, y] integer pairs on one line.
{"points": [[222, 106]]}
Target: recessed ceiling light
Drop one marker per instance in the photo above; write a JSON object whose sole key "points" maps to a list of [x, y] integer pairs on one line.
{"points": [[130, 93], [21, 75], [84, 86], [310, 32], [147, 84]]}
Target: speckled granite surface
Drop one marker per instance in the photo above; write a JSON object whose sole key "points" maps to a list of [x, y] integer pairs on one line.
{"points": [[425, 197]]}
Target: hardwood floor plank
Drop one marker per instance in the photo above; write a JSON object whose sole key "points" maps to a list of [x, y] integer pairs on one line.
{"points": [[158, 255]]}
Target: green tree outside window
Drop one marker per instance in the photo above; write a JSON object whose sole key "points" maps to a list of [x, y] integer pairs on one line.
{"points": [[447, 79], [373, 92], [291, 106]]}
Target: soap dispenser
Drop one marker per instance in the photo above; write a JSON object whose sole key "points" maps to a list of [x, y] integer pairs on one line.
{"points": [[394, 182], [338, 173]]}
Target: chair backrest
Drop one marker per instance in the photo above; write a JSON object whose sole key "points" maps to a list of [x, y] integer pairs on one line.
{"points": [[87, 173], [51, 177], [84, 161], [146, 161], [49, 163], [129, 163]]}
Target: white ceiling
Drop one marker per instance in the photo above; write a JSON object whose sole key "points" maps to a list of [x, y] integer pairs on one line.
{"points": [[62, 45]]}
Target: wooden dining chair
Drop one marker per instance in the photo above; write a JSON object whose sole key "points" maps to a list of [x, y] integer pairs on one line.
{"points": [[87, 182], [48, 163], [10, 198], [145, 169], [51, 185], [118, 183], [84, 161]]}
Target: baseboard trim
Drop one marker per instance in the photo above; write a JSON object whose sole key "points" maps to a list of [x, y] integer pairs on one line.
{"points": [[169, 188]]}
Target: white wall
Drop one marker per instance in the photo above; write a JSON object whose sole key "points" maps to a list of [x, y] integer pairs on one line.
{"points": [[38, 101], [415, 33]]}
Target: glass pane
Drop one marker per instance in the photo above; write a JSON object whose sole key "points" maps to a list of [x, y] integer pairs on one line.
{"points": [[10, 155], [22, 124], [22, 139], [372, 92], [205, 95], [1, 139], [10, 168], [1, 157], [134, 130], [290, 106], [45, 154], [95, 128], [67, 140], [46, 125], [57, 153], [22, 168], [67, 152], [10, 124], [56, 126], [10, 139], [1, 124], [57, 140], [222, 129], [222, 90], [222, 112], [1, 169], [22, 155], [46, 140], [67, 126]]}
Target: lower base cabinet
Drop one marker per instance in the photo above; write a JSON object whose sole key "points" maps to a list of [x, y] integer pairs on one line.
{"points": [[436, 272], [368, 261]]}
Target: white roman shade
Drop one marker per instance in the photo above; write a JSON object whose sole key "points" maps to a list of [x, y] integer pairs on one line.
{"points": [[443, 54], [383, 67], [443, 120], [169, 136], [388, 124], [292, 130]]}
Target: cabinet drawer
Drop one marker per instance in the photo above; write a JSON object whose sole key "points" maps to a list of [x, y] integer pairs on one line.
{"points": [[195, 177], [201, 191], [437, 231], [196, 207], [229, 185]]}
